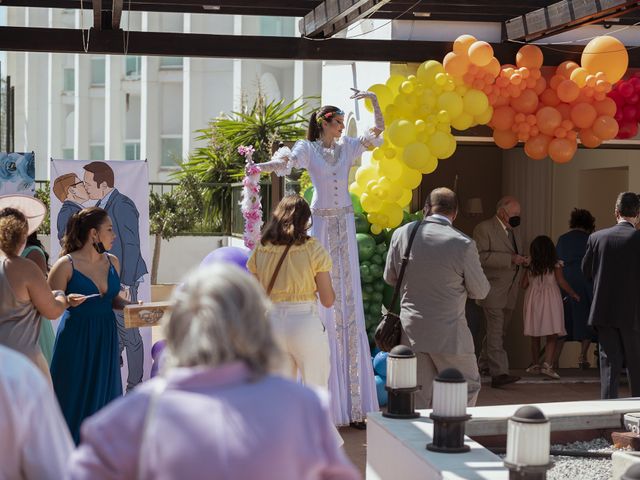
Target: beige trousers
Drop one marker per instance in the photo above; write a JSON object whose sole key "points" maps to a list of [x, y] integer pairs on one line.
{"points": [[304, 342], [493, 355]]}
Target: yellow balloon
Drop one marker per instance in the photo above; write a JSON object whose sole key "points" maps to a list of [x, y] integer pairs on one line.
{"points": [[452, 103], [356, 189], [416, 155], [393, 211], [390, 168], [605, 54], [405, 197], [370, 203], [441, 79], [410, 178], [484, 117], [428, 70], [463, 121], [429, 99], [376, 229], [377, 153], [394, 82], [385, 97], [407, 87], [402, 132], [365, 174], [461, 89], [443, 117], [475, 102], [451, 147], [439, 144], [395, 192], [443, 127], [430, 165]]}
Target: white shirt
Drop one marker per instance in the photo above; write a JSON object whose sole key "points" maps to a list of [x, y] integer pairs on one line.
{"points": [[35, 440], [504, 227]]}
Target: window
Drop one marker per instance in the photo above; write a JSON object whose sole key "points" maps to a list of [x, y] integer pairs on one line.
{"points": [[96, 152], [98, 71], [132, 67], [67, 153], [132, 150], [171, 151], [69, 80], [277, 26], [171, 62]]}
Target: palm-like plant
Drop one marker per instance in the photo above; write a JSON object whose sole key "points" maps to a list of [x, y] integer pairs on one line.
{"points": [[218, 163]]}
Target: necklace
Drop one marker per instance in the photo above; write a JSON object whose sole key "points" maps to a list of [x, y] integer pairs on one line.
{"points": [[331, 154]]}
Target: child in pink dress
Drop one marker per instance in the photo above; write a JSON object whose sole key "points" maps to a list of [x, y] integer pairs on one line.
{"points": [[543, 311]]}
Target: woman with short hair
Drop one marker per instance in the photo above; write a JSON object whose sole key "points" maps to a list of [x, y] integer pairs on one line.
{"points": [[215, 412]]}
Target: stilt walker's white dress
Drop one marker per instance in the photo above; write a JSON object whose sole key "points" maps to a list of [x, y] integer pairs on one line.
{"points": [[351, 383]]}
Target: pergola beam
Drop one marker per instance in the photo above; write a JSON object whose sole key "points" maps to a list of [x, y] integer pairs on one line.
{"points": [[116, 14], [97, 14]]}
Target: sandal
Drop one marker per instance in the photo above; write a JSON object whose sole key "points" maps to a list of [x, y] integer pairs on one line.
{"points": [[533, 368], [549, 371]]}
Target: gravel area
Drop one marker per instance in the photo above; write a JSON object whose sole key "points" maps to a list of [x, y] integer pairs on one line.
{"points": [[572, 468]]}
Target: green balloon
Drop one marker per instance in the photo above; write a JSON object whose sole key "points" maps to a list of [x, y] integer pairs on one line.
{"points": [[366, 297], [388, 233], [365, 273], [406, 217], [374, 308], [379, 286], [381, 248], [379, 238], [376, 297], [377, 259], [362, 224], [308, 195], [355, 201], [368, 288], [376, 270], [366, 246]]}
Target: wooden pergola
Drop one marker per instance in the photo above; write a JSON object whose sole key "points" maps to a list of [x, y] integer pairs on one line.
{"points": [[107, 34]]}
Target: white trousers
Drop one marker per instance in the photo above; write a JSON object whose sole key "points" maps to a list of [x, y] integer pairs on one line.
{"points": [[304, 342]]}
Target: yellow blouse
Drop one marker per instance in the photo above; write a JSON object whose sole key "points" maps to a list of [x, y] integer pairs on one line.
{"points": [[296, 279]]}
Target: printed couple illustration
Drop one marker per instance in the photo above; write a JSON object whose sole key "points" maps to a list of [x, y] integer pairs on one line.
{"points": [[97, 185]]}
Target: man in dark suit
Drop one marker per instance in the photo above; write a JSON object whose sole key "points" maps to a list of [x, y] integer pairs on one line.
{"points": [[613, 262], [99, 182]]}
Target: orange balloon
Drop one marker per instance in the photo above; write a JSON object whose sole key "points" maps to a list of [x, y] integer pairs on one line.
{"points": [[529, 56], [531, 82], [566, 68], [505, 139], [502, 100], [589, 139], [583, 115], [567, 124], [565, 110], [568, 91], [455, 65], [527, 102], [462, 43], [534, 131], [503, 118], [555, 81], [541, 84], [549, 98], [606, 54], [606, 106], [493, 67], [502, 82], [531, 119], [598, 96], [548, 119], [562, 150], [536, 73], [560, 132], [572, 135], [605, 127], [480, 53], [579, 75], [514, 90], [537, 147]]}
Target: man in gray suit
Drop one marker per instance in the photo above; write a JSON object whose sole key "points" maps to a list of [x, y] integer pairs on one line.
{"points": [[501, 256], [443, 270]]}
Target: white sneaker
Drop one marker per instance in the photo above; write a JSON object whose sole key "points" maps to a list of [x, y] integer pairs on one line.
{"points": [[549, 371]]}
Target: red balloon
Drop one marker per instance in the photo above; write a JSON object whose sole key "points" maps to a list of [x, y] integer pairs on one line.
{"points": [[629, 113], [626, 89], [628, 130], [616, 97]]}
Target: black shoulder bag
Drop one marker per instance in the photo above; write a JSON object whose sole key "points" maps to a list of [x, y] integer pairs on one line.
{"points": [[389, 329]]}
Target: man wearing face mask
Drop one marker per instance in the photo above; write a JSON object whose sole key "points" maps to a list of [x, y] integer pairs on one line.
{"points": [[501, 255], [612, 261]]}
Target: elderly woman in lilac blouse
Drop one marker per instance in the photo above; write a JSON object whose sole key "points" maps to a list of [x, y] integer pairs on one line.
{"points": [[215, 412]]}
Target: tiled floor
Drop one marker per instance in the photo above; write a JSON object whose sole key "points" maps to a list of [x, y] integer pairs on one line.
{"points": [[574, 385]]}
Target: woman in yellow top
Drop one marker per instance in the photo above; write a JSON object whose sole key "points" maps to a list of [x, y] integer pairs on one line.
{"points": [[301, 281]]}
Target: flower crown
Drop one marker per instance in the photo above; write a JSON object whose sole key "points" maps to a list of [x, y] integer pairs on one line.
{"points": [[327, 117]]}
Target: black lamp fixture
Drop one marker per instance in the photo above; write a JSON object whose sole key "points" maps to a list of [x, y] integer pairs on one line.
{"points": [[401, 383], [528, 439], [449, 413]]}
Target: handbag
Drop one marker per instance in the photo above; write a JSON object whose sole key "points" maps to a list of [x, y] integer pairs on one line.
{"points": [[277, 270], [389, 330]]}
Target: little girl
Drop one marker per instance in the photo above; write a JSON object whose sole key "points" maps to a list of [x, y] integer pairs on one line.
{"points": [[543, 311]]}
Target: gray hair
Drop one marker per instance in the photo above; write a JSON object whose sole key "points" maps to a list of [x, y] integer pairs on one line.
{"points": [[504, 202], [219, 315]]}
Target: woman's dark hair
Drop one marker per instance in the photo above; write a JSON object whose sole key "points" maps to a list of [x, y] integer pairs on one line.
{"points": [[543, 255], [325, 114], [79, 226], [581, 218], [32, 241], [13, 229], [289, 223]]}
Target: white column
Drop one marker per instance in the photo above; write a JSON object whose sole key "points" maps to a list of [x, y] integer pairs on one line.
{"points": [[82, 72], [193, 106], [114, 108], [150, 107], [237, 68], [55, 110]]}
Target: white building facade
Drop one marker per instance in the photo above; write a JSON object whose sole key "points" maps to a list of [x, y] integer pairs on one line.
{"points": [[123, 107]]}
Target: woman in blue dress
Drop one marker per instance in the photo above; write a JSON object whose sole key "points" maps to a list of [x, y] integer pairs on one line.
{"points": [[571, 248], [85, 367]]}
